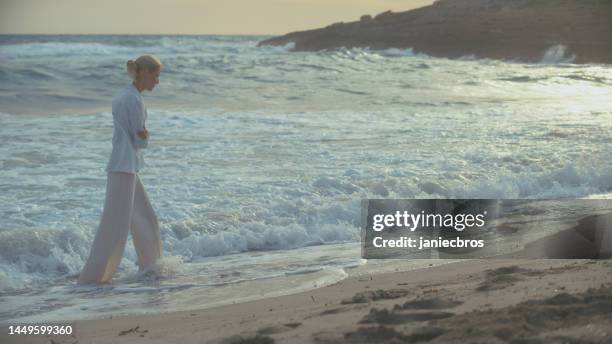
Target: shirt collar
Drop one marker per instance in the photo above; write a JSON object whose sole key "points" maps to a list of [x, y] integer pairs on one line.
{"points": [[134, 88]]}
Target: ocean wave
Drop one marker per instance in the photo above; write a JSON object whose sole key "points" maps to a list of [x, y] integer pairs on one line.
{"points": [[60, 49], [368, 53], [590, 78], [37, 255], [567, 181], [26, 75], [557, 54], [524, 78]]}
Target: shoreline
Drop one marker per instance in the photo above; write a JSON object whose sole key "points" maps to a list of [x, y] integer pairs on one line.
{"points": [[333, 313], [268, 288]]}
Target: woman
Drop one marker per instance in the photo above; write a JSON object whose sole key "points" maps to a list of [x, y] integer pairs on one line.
{"points": [[127, 205]]}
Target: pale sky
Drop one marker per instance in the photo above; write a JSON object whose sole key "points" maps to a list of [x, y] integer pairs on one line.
{"points": [[231, 17]]}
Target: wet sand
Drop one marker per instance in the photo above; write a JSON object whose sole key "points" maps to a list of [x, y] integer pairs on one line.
{"points": [[492, 301]]}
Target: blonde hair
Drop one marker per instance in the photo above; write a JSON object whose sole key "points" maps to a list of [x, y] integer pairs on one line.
{"points": [[149, 62]]}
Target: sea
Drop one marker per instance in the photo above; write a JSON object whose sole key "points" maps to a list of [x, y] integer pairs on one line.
{"points": [[259, 159]]}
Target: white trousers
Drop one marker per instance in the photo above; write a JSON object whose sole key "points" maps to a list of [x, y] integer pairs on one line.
{"points": [[126, 208]]}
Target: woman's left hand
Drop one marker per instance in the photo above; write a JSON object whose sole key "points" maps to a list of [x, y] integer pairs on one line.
{"points": [[143, 134]]}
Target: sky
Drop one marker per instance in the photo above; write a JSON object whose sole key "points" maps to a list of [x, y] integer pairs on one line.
{"points": [[230, 17]]}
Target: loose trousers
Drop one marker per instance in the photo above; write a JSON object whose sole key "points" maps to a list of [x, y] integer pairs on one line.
{"points": [[126, 208]]}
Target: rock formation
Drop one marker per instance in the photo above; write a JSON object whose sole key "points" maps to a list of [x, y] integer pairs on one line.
{"points": [[520, 30]]}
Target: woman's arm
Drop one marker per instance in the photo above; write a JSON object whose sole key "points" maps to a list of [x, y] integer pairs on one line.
{"points": [[136, 119]]}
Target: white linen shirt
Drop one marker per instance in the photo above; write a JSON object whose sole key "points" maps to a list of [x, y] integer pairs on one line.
{"points": [[129, 116]]}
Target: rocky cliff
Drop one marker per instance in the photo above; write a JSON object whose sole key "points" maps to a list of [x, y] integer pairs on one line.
{"points": [[521, 30]]}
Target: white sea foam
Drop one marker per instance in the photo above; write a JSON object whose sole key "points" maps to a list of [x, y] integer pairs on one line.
{"points": [[557, 54]]}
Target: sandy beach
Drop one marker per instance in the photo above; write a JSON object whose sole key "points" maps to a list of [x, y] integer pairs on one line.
{"points": [[484, 301]]}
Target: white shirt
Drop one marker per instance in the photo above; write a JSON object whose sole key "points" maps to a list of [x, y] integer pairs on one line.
{"points": [[129, 116]]}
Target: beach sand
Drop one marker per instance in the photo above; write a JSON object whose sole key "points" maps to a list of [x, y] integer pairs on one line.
{"points": [[479, 301]]}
